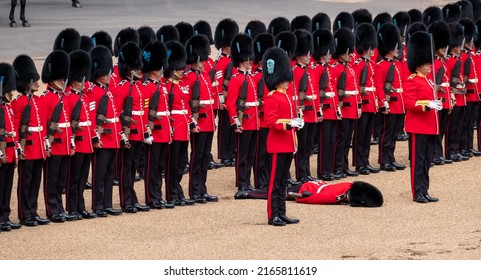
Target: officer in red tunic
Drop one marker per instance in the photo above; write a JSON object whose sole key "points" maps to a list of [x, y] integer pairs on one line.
{"points": [[389, 88], [182, 123], [58, 134], [108, 132], [280, 113], [201, 102], [347, 85], [366, 43], [29, 117], [242, 104], [157, 117], [8, 145], [422, 119], [83, 131], [130, 102]]}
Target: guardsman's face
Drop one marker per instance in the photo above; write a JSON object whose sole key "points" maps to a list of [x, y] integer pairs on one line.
{"points": [[424, 69], [303, 59], [200, 66], [76, 85], [35, 86], [103, 80], [456, 50], [283, 85], [58, 84]]}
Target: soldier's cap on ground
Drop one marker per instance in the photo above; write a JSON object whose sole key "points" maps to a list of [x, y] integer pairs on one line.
{"points": [[262, 42], [277, 25], [387, 39], [67, 40], [102, 38], [381, 19], [154, 57], [56, 66], [323, 43], [225, 31], [129, 59], [304, 42], [276, 67], [176, 57], [440, 32], [25, 71], [343, 19], [254, 28], [365, 37], [241, 49], [301, 22], [344, 41], [146, 36], [102, 62], [186, 30], [125, 35], [287, 41], [362, 194], [197, 47], [167, 33], [80, 65], [361, 16], [7, 77], [419, 50], [204, 28], [321, 20]]}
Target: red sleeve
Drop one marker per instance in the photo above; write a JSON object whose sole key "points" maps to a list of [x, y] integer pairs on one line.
{"points": [[233, 92], [379, 83]]}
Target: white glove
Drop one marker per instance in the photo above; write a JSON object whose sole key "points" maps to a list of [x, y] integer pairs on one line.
{"points": [[302, 123], [297, 122], [149, 140], [436, 105]]}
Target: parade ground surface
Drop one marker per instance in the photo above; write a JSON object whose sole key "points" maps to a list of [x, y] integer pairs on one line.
{"points": [[237, 229]]}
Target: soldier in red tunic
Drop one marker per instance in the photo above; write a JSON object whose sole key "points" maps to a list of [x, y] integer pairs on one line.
{"points": [[422, 119], [8, 145], [280, 112], [123, 37]]}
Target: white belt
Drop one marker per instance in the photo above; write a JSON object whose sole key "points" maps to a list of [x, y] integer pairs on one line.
{"points": [[252, 104], [87, 123], [351, 92], [137, 113], [294, 97], [112, 120], [311, 97], [474, 81], [444, 84], [35, 128], [163, 113], [397, 90], [330, 94], [64, 125], [206, 102], [372, 89], [179, 112]]}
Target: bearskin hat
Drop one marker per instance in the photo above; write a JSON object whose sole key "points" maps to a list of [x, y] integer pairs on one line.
{"points": [[343, 19], [344, 40], [321, 20], [381, 19], [262, 42], [457, 35], [304, 42], [203, 27], [154, 57], [80, 65], [361, 16], [56, 66], [277, 25], [323, 43], [469, 29], [365, 37], [451, 13], [176, 57], [25, 72], [477, 41], [415, 27], [146, 36], [86, 43], [129, 59], [476, 8], [363, 194], [432, 14], [415, 15], [241, 49], [225, 31], [186, 30], [254, 28], [7, 77], [125, 35], [440, 32], [287, 41], [67, 40], [102, 38], [419, 50], [197, 47], [101, 59], [387, 39], [466, 9], [402, 20], [167, 33], [301, 22], [276, 67]]}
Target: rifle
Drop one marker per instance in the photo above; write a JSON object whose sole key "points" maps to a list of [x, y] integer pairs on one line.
{"points": [[126, 116], [227, 77], [303, 85], [435, 92], [55, 118], [363, 78], [195, 101], [440, 73], [101, 117], [260, 90], [24, 121], [341, 83], [75, 117], [389, 79], [468, 64], [213, 70], [154, 104], [241, 101]]}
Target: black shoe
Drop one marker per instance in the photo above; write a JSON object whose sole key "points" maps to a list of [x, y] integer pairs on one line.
{"points": [[288, 220], [421, 199], [76, 4], [29, 222], [447, 161], [294, 183], [455, 157], [186, 169], [141, 208], [399, 166], [466, 153], [210, 198], [438, 161], [113, 212], [88, 186], [137, 178], [339, 175], [166, 204], [363, 170], [227, 162], [129, 209], [87, 215], [101, 213], [188, 201], [276, 221], [211, 165], [327, 177], [41, 221], [13, 225], [116, 182], [388, 167], [463, 157], [373, 169], [314, 151], [155, 205], [310, 178], [71, 216], [177, 202], [430, 198], [351, 173], [374, 141], [304, 180], [199, 199], [5, 227], [57, 218], [475, 153]]}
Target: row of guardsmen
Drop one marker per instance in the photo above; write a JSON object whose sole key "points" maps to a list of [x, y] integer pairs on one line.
{"points": [[164, 93]]}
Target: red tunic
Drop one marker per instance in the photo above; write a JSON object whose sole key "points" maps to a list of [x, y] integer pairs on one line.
{"points": [[209, 64], [162, 129], [446, 95], [114, 77], [450, 63], [369, 98], [396, 102], [257, 76], [12, 134], [472, 91], [330, 103], [324, 193], [311, 103], [351, 108], [180, 111]]}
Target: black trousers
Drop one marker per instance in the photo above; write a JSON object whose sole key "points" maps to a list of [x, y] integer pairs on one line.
{"points": [[391, 125], [129, 160], [443, 124], [104, 165], [276, 196], [362, 139], [6, 185], [315, 137], [376, 133], [327, 147], [246, 152], [455, 129], [79, 167], [421, 148], [141, 165], [346, 129], [470, 117], [262, 165], [201, 144], [305, 138], [29, 178], [156, 161], [177, 158], [226, 137], [55, 172]]}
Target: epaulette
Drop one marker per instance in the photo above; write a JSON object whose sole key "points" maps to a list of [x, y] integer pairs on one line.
{"points": [[91, 86], [379, 62], [294, 67], [335, 64], [412, 76], [237, 74], [145, 82], [18, 96], [187, 72], [44, 93], [121, 83], [358, 60]]}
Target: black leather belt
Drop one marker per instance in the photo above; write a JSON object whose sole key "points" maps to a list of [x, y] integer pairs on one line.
{"points": [[246, 116], [29, 142], [326, 106], [10, 145], [134, 131], [393, 98], [202, 115], [79, 138], [308, 108], [57, 140], [157, 127], [364, 102], [470, 91], [346, 104]]}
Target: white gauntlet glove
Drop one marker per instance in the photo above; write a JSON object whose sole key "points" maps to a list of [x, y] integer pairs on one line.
{"points": [[297, 123], [149, 140], [436, 105]]}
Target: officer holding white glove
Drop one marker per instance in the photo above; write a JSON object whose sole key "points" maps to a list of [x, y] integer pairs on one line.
{"points": [[436, 105]]}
